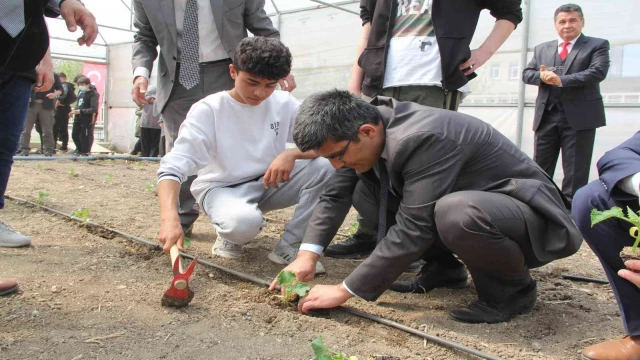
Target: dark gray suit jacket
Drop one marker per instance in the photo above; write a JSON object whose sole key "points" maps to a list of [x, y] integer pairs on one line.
{"points": [[156, 24], [585, 67], [430, 153]]}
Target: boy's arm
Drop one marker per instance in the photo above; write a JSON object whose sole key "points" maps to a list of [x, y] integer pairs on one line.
{"points": [[279, 170], [299, 155], [170, 228], [93, 103]]}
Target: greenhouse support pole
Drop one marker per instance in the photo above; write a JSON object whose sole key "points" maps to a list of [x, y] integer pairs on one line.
{"points": [[105, 99], [524, 46]]}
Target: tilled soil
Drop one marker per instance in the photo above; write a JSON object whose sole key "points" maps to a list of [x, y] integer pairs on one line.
{"points": [[88, 295]]}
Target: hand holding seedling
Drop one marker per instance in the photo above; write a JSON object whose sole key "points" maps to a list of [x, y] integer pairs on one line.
{"points": [[303, 267], [279, 170], [633, 277], [324, 297]]}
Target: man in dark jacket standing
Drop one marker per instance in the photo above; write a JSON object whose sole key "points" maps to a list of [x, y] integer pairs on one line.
{"points": [[25, 59], [569, 107], [63, 108], [419, 51], [84, 116]]}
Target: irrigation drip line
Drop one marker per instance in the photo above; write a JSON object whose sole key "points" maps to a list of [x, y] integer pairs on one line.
{"points": [[87, 158], [584, 278], [256, 280]]}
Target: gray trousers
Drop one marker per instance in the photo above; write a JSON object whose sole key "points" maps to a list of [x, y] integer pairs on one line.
{"points": [[37, 113], [488, 232], [432, 96], [236, 211], [213, 78]]}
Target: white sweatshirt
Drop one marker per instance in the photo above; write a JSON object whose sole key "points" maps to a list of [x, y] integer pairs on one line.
{"points": [[226, 142]]}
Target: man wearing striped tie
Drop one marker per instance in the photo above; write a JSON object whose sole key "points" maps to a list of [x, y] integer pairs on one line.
{"points": [[569, 107]]}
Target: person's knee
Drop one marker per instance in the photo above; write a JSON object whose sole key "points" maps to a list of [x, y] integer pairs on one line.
{"points": [[321, 169], [457, 219], [239, 227], [585, 199]]}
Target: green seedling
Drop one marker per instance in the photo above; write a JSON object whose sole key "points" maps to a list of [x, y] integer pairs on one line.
{"points": [[291, 286], [354, 228], [41, 196], [138, 165], [39, 166], [616, 212], [187, 242], [81, 214], [149, 187], [110, 178], [72, 172], [322, 352]]}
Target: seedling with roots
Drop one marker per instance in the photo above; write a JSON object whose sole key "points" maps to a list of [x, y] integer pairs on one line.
{"points": [[72, 172], [287, 279], [41, 196], [81, 214], [616, 212]]}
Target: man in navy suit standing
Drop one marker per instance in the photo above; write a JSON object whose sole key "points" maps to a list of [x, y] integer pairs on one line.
{"points": [[569, 106], [618, 185]]}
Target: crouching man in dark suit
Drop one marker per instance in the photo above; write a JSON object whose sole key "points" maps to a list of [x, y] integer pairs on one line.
{"points": [[619, 185], [430, 178]]}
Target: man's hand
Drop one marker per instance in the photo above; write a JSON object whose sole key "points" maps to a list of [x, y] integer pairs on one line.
{"points": [[74, 14], [288, 83], [171, 233], [44, 70], [74, 112], [478, 58], [140, 85], [324, 297], [630, 275], [279, 170], [304, 267], [549, 77]]}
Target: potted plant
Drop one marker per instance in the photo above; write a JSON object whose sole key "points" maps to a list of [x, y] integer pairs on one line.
{"points": [[628, 252]]}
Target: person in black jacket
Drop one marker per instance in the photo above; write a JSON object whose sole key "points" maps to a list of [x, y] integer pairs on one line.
{"points": [[84, 116], [24, 41], [63, 108], [419, 51], [618, 185]]}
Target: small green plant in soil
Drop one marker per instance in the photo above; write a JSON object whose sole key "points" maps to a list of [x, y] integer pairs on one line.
{"points": [[81, 214], [354, 228], [149, 187], [322, 352], [288, 280], [110, 179], [72, 172], [39, 166], [187, 242], [41, 196]]}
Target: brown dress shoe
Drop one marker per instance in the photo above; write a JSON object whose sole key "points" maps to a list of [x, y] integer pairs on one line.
{"points": [[627, 348], [8, 286]]}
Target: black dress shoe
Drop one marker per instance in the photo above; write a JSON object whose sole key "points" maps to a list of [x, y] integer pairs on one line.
{"points": [[358, 245], [486, 312], [432, 276]]}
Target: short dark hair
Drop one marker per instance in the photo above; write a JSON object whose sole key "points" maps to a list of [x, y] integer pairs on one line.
{"points": [[77, 77], [333, 114], [61, 74], [568, 8], [267, 58], [83, 80]]}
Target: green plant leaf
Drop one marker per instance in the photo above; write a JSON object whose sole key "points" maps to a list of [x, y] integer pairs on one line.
{"points": [[635, 219], [286, 278], [187, 242], [320, 350], [301, 288], [598, 216]]}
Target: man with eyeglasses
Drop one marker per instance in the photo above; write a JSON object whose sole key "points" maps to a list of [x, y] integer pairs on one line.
{"points": [[435, 180]]}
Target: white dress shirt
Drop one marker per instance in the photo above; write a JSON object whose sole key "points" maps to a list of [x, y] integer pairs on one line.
{"points": [[569, 47], [210, 46], [630, 184]]}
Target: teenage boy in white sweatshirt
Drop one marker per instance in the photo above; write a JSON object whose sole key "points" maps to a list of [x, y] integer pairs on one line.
{"points": [[235, 142]]}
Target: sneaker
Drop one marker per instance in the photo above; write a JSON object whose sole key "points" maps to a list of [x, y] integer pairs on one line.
{"points": [[227, 249], [481, 311], [285, 254], [11, 238], [23, 153], [432, 276], [358, 245]]}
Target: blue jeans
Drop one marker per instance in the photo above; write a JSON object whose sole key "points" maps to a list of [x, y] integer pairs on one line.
{"points": [[14, 102]]}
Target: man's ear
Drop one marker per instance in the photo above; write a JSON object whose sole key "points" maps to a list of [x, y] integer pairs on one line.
{"points": [[232, 71], [368, 130]]}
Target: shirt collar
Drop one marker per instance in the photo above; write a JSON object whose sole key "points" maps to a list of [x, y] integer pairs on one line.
{"points": [[571, 43]]}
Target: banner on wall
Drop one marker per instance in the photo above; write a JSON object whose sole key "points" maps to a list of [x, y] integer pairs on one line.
{"points": [[97, 73]]}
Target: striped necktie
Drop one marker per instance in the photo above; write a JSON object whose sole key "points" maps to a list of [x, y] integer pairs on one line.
{"points": [[12, 16], [189, 60]]}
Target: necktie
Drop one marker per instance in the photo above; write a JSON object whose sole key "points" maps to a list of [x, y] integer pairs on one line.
{"points": [[565, 50], [12, 16], [384, 195], [189, 64]]}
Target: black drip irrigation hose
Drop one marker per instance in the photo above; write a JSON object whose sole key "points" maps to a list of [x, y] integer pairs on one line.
{"points": [[256, 280], [584, 278]]}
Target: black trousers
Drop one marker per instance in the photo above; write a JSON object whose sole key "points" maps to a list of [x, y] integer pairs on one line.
{"points": [[607, 239], [150, 141], [487, 231], [82, 135], [61, 126], [553, 134]]}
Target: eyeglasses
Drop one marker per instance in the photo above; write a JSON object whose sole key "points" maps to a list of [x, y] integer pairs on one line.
{"points": [[341, 154]]}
